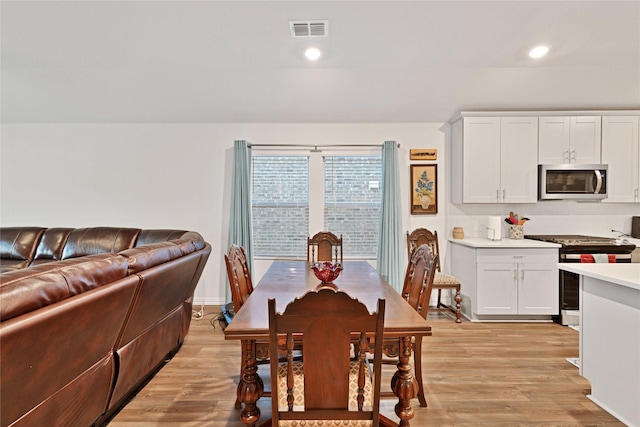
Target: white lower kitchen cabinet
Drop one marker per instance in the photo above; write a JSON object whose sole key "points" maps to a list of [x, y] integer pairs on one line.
{"points": [[506, 280], [516, 284]]}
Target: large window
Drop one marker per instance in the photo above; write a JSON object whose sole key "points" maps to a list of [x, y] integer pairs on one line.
{"points": [[280, 205], [296, 196], [352, 202]]}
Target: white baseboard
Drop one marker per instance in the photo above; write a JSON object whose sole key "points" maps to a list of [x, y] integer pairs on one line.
{"points": [[208, 301]]}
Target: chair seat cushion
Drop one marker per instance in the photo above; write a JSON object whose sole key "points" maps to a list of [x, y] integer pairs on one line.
{"points": [[298, 396], [325, 423], [444, 279]]}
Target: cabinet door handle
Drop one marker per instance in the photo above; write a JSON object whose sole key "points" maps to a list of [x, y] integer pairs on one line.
{"points": [[572, 159], [565, 156], [497, 194], [515, 276], [522, 274], [504, 194]]}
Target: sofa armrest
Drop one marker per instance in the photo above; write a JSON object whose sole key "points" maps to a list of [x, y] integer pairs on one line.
{"points": [[145, 257], [28, 289]]}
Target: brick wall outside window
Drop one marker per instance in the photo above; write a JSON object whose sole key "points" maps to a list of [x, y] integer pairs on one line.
{"points": [[280, 204], [352, 202]]}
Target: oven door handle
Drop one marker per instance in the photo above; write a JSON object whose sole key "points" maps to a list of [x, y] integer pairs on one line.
{"points": [[577, 257]]}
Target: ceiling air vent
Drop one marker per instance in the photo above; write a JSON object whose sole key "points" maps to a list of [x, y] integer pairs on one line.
{"points": [[314, 28]]}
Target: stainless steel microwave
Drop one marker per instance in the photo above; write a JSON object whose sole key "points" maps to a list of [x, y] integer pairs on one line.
{"points": [[572, 182]]}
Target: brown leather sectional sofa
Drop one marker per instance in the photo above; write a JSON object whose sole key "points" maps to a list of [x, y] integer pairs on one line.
{"points": [[87, 316]]}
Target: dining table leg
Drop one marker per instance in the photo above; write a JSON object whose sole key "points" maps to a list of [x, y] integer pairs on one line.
{"points": [[404, 384], [250, 386]]}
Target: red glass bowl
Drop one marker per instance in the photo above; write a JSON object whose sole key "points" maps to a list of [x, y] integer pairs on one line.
{"points": [[326, 271]]}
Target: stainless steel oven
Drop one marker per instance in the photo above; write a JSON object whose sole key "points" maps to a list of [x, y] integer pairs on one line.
{"points": [[578, 248], [569, 283]]}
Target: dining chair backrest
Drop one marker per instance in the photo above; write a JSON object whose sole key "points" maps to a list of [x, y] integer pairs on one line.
{"points": [[327, 384], [239, 276], [421, 236], [418, 280], [324, 247]]}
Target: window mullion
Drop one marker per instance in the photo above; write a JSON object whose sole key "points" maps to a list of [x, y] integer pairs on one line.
{"points": [[316, 193]]}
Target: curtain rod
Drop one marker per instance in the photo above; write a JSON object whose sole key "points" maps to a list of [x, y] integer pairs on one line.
{"points": [[316, 146]]}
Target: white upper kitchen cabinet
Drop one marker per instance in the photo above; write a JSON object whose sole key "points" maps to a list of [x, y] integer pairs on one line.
{"points": [[621, 151], [569, 139], [495, 160], [518, 167], [480, 159]]}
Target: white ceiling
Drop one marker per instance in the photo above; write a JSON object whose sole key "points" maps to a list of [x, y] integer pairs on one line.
{"points": [[235, 61]]}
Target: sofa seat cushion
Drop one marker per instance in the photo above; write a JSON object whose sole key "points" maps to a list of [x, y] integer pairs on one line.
{"points": [[31, 288], [13, 264]]}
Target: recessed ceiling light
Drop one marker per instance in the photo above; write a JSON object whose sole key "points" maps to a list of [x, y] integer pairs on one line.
{"points": [[312, 53], [538, 52]]}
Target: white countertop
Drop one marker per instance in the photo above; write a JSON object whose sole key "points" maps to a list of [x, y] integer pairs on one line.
{"points": [[478, 242], [621, 274]]}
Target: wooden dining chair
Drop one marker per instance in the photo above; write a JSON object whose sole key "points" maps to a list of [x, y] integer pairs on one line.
{"points": [[239, 276], [418, 283], [324, 247], [241, 287], [441, 280], [328, 384]]}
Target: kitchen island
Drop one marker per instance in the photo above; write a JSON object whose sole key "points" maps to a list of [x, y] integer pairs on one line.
{"points": [[610, 336]]}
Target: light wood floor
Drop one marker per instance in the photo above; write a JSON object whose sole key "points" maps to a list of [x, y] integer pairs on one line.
{"points": [[477, 374]]}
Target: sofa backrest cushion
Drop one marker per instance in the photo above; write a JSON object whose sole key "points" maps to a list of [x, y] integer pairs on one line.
{"points": [[155, 236], [51, 245], [19, 243], [89, 241], [150, 255], [28, 289]]}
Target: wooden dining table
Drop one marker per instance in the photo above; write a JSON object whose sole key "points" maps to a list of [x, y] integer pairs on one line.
{"points": [[287, 280]]}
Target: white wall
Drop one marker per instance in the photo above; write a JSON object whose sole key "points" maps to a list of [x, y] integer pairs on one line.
{"points": [[178, 176], [167, 176]]}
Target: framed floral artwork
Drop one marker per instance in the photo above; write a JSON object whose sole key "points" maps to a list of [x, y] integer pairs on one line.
{"points": [[424, 189]]}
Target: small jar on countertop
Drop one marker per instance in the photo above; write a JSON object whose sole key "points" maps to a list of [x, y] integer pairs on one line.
{"points": [[458, 233], [516, 232]]}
